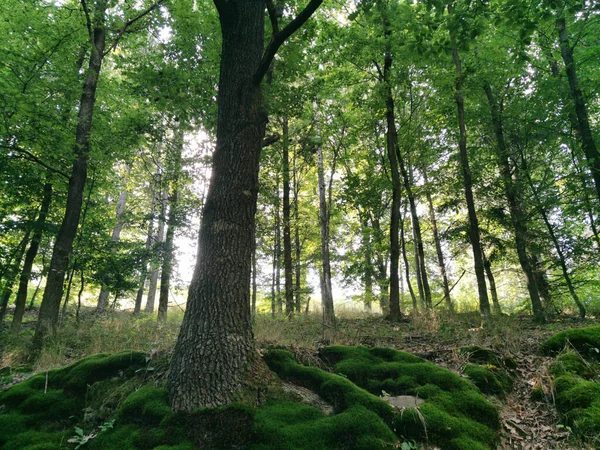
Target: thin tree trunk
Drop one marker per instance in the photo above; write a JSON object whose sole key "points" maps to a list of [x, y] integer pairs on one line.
{"points": [[67, 295], [421, 271], [516, 211], [382, 277], [583, 123], [326, 291], [297, 243], [174, 169], [413, 297], [11, 274], [474, 238], [149, 237], [160, 237], [391, 146], [79, 295], [48, 316], [487, 265], [287, 237], [32, 252], [555, 240], [438, 247], [116, 235]]}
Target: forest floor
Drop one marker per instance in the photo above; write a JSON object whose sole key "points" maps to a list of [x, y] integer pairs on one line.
{"points": [[528, 424]]}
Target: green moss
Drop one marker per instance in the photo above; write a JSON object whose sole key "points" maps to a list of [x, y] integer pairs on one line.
{"points": [[35, 440], [585, 340], [148, 406], [578, 400], [572, 363], [282, 425], [448, 396], [489, 379]]}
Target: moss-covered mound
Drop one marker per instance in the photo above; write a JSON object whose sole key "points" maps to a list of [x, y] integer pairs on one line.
{"points": [[576, 383], [454, 415], [585, 340], [108, 403], [42, 411], [488, 370]]}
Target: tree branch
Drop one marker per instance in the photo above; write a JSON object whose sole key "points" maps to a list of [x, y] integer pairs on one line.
{"points": [[31, 157], [273, 16], [281, 37], [130, 22], [88, 20], [270, 140]]}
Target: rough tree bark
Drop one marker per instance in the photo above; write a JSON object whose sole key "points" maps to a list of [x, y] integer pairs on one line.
{"points": [[215, 347], [32, 251]]}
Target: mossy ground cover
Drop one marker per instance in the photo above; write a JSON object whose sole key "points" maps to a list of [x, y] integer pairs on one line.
{"points": [[488, 370], [454, 415], [577, 381]]}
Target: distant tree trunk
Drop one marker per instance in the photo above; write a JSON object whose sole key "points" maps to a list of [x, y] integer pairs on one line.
{"points": [[48, 316], [381, 274], [438, 246], [158, 243], [32, 252], [487, 265], [391, 145], [583, 123], [116, 235], [516, 211], [369, 270], [10, 275], [297, 243], [254, 268], [79, 295], [326, 291], [559, 250], [287, 236], [276, 291], [474, 238], [420, 268], [174, 169], [413, 297], [149, 237]]}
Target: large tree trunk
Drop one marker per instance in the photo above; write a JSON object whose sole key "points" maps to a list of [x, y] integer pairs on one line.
{"points": [[438, 246], [583, 123], [158, 243], [516, 211], [326, 291], [174, 169], [48, 316], [474, 238], [21, 298], [116, 235], [215, 346], [287, 236]]}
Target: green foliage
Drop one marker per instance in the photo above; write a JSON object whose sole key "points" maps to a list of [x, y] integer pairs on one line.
{"points": [[585, 340]]}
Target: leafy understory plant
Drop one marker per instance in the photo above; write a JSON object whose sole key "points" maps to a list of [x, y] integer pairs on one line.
{"points": [[81, 438]]}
